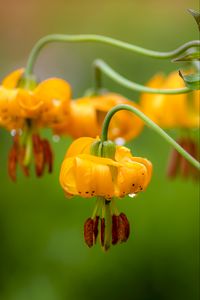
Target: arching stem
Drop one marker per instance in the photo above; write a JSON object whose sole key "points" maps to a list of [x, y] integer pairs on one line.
{"points": [[101, 66], [104, 40], [149, 123]]}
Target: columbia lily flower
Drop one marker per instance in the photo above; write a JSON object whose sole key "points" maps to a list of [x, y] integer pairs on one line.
{"points": [[175, 112], [92, 168], [25, 106], [171, 111], [87, 115]]}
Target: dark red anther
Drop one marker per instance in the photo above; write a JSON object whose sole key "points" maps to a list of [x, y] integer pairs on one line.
{"points": [[126, 225], [174, 161], [102, 236], [21, 155], [48, 155], [184, 164], [173, 164], [123, 228], [38, 154], [115, 223], [88, 232], [12, 161]]}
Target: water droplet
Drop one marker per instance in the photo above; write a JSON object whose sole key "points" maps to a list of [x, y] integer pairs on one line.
{"points": [[120, 141], [56, 102], [13, 132], [132, 195], [56, 138]]}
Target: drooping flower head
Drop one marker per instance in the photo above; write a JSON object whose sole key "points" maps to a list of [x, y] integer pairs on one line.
{"points": [[87, 115], [25, 106], [92, 168], [175, 112]]}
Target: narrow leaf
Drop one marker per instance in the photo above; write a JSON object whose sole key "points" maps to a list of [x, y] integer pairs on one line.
{"points": [[196, 16]]}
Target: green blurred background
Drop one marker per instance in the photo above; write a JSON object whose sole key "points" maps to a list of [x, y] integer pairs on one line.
{"points": [[42, 252]]}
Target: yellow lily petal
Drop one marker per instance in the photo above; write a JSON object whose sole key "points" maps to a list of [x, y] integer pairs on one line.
{"points": [[148, 166], [93, 178], [131, 178], [81, 145], [30, 105], [53, 91], [67, 176], [11, 81], [82, 119]]}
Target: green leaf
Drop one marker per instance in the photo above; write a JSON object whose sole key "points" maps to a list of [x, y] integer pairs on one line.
{"points": [[188, 57], [196, 16], [192, 81]]}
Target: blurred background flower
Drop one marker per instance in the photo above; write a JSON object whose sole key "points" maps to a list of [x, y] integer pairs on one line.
{"points": [[42, 253]]}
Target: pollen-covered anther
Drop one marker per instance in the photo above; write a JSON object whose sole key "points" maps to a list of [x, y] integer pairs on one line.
{"points": [[120, 229], [42, 155], [91, 231], [12, 160], [16, 156], [178, 164]]}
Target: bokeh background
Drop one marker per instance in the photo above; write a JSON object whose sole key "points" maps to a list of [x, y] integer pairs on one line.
{"points": [[42, 252]]}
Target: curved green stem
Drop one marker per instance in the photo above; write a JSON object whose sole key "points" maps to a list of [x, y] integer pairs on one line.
{"points": [[105, 40], [100, 65], [152, 125]]}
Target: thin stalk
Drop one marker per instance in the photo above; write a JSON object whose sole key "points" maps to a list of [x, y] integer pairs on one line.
{"points": [[106, 69], [28, 149], [104, 40], [108, 226], [152, 125]]}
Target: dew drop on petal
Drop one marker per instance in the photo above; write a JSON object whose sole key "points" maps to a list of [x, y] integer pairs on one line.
{"points": [[56, 138], [56, 102], [13, 132], [120, 141], [132, 195]]}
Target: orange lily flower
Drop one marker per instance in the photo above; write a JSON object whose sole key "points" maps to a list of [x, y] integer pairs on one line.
{"points": [[26, 106], [175, 111], [87, 115], [171, 111], [106, 178]]}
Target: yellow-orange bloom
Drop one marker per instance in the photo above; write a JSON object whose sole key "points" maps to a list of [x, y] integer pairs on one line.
{"points": [[171, 111], [88, 175], [25, 105], [47, 102], [87, 115]]}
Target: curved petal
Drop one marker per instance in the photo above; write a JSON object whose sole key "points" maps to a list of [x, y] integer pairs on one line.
{"points": [[82, 119], [148, 166], [81, 145], [11, 81], [93, 178], [53, 91], [122, 153], [131, 178], [30, 105], [67, 176]]}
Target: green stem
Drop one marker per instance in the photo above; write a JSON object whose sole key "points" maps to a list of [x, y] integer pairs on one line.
{"points": [[105, 40], [152, 125], [108, 225], [106, 69], [28, 149]]}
